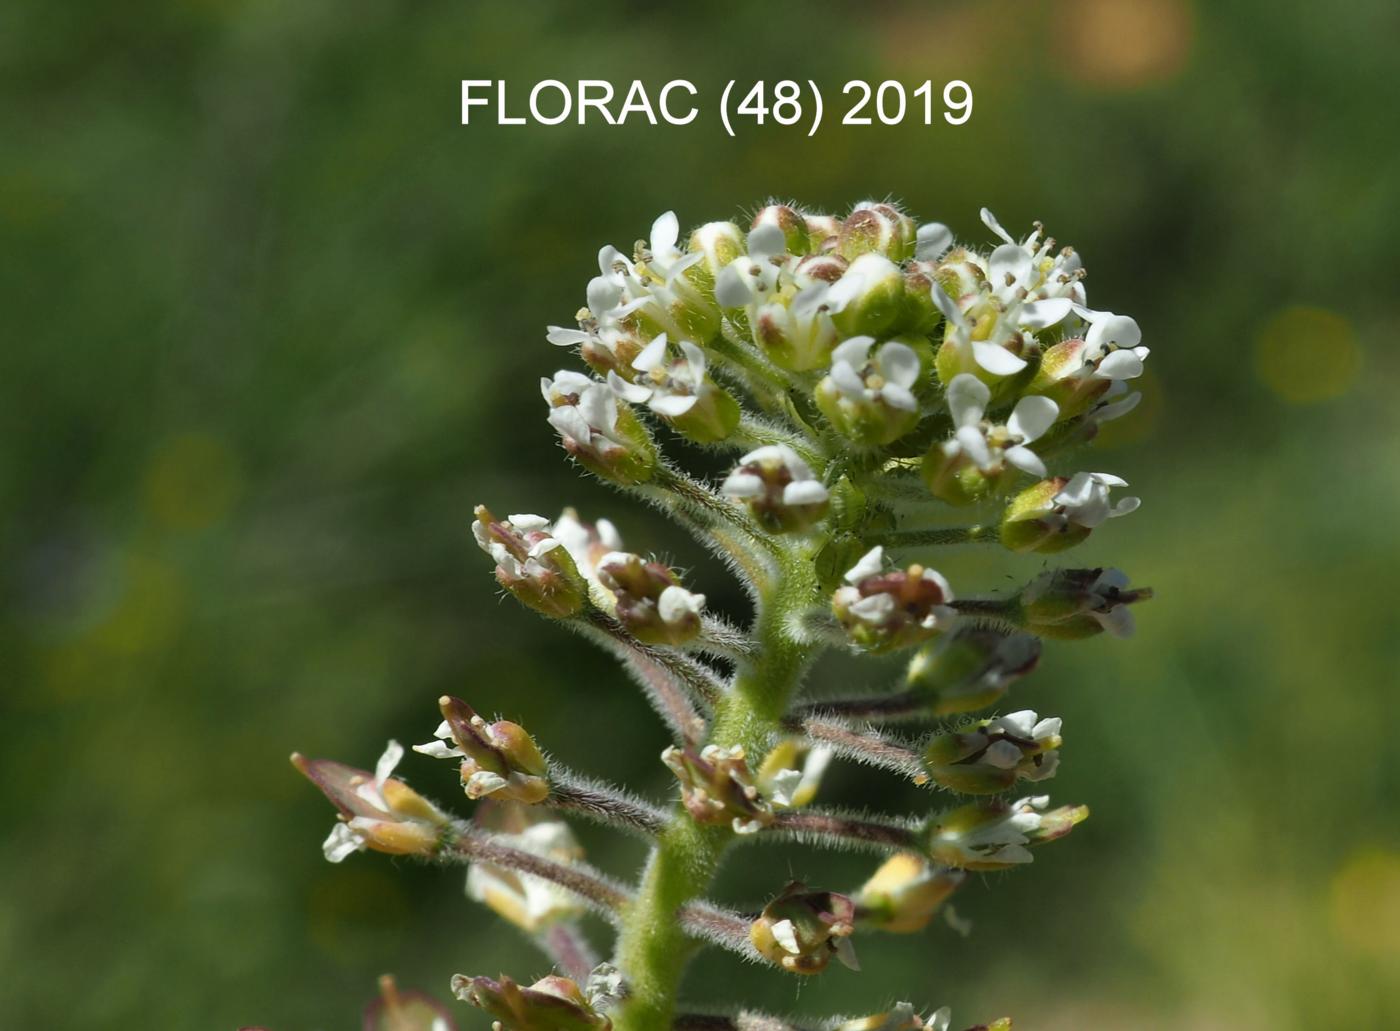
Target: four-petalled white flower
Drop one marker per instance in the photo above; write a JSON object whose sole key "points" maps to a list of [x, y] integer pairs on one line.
{"points": [[1084, 500], [988, 447], [669, 389], [887, 378]]}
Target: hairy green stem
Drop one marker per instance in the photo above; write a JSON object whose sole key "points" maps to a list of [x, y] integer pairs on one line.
{"points": [[654, 945], [942, 535]]}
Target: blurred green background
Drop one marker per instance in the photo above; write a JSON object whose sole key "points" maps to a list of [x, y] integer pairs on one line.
{"points": [[272, 322]]}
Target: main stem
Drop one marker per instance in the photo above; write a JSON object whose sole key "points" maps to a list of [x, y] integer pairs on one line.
{"points": [[653, 949]]}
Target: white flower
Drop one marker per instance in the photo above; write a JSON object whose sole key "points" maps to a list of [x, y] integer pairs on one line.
{"points": [[1115, 618], [668, 389], [1112, 347], [887, 378], [1002, 840], [1084, 500], [988, 447], [527, 901], [932, 241], [524, 527], [348, 837], [1024, 726], [583, 411], [792, 773], [777, 472], [586, 544]]}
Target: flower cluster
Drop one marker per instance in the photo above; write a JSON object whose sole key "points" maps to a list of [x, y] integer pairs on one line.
{"points": [[858, 381]]}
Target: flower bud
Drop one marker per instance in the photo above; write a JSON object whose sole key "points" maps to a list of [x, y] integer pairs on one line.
{"points": [[719, 243], [790, 222], [649, 600], [604, 437], [992, 755], [531, 563], [499, 760], [1056, 514], [869, 299], [552, 1003], [905, 893], [1077, 603], [970, 668], [869, 398], [397, 1010], [377, 811], [802, 930], [995, 834], [884, 611], [529, 902], [779, 489], [920, 315], [792, 772], [717, 787], [823, 233], [877, 228], [819, 268], [680, 391]]}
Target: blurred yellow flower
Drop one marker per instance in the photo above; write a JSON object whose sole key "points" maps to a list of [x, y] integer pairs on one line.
{"points": [[1306, 355]]}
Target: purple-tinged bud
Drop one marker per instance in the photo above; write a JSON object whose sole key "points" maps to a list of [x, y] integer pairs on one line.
{"points": [[801, 930], [531, 563], [790, 222], [1078, 603], [377, 811], [717, 787], [996, 834], [779, 489], [992, 755], [397, 1010], [970, 668], [499, 760], [905, 893], [649, 600], [820, 268], [552, 1003], [884, 610], [877, 228]]}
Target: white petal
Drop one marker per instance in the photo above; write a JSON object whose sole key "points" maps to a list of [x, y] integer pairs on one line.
{"points": [[665, 231], [1003, 755], [439, 750], [974, 445], [1025, 459], [873, 609], [694, 360], [847, 380], [742, 485], [526, 522], [899, 363], [996, 359], [603, 294], [609, 257], [676, 604], [967, 399], [785, 935], [899, 397], [941, 1020], [1017, 724], [673, 406], [1037, 315], [932, 241], [990, 221], [634, 392], [1108, 328], [1124, 506], [766, 241], [342, 842], [1077, 491], [853, 351], [935, 577], [1108, 479], [846, 953], [732, 288], [805, 492], [872, 563], [1117, 621], [1119, 365], [1032, 416], [1046, 728], [1118, 409], [652, 355], [561, 336], [948, 307], [809, 300], [1008, 260], [393, 753], [483, 783]]}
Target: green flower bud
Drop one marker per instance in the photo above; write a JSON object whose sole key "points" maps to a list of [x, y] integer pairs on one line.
{"points": [[970, 668], [995, 834], [649, 600], [1078, 603], [531, 563], [883, 611], [905, 893], [869, 299], [719, 243], [992, 755], [823, 233], [779, 489], [792, 223], [820, 268], [552, 1003], [876, 228], [869, 397], [717, 787], [801, 930], [604, 436], [499, 760], [921, 315]]}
